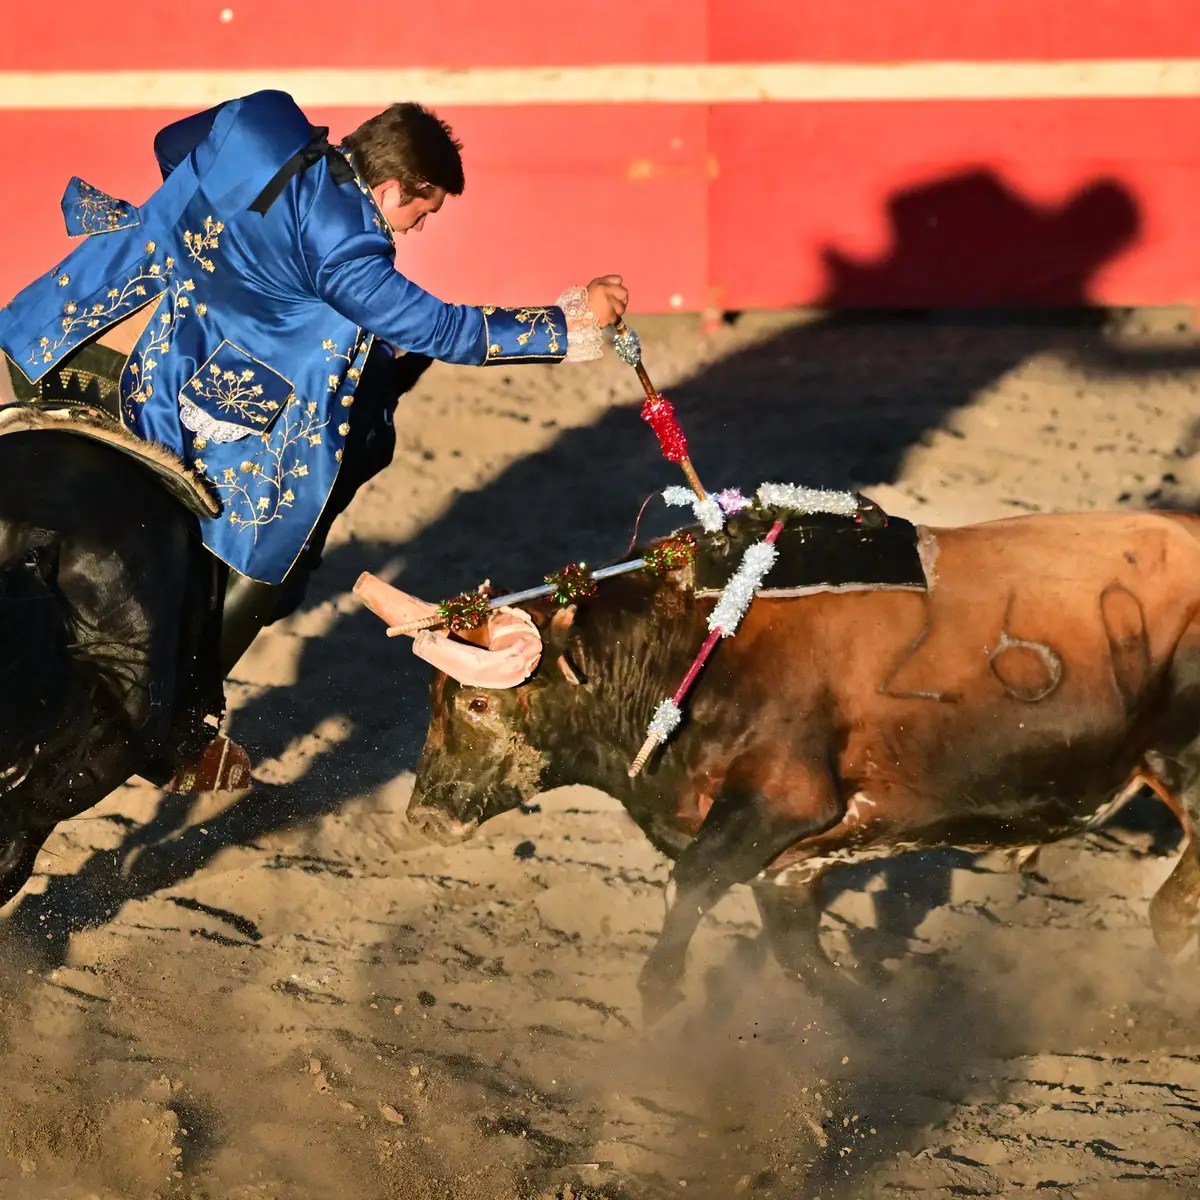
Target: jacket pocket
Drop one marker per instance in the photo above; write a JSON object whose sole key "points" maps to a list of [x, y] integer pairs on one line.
{"points": [[233, 395]]}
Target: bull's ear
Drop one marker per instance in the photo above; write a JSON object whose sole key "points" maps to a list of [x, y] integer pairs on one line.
{"points": [[558, 637], [568, 672], [561, 624], [476, 637]]}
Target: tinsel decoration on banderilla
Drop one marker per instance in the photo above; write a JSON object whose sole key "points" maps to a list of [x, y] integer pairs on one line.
{"points": [[659, 414], [671, 554], [467, 610], [573, 582]]}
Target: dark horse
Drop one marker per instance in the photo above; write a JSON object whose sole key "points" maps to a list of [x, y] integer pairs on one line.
{"points": [[107, 601], [117, 626]]}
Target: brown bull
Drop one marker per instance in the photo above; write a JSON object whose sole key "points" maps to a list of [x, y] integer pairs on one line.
{"points": [[1053, 662]]}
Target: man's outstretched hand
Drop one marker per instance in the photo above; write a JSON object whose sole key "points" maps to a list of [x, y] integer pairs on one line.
{"points": [[607, 298]]}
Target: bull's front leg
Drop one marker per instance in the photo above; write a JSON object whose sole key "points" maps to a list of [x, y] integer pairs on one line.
{"points": [[744, 832]]}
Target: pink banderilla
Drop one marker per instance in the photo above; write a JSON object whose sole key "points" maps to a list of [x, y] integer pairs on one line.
{"points": [[729, 610]]}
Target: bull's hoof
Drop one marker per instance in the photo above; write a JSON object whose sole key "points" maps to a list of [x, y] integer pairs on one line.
{"points": [[660, 993], [441, 826], [1173, 925], [657, 1004]]}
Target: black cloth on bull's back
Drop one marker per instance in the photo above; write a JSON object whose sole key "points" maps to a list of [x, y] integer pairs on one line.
{"points": [[817, 552]]}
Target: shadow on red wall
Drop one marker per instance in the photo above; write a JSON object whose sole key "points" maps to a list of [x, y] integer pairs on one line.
{"points": [[972, 240]]}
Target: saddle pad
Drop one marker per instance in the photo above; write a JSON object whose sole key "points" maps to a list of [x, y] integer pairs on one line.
{"points": [[818, 552], [190, 489]]}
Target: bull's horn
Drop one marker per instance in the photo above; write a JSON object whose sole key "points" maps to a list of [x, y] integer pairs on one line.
{"points": [[514, 651], [391, 604]]}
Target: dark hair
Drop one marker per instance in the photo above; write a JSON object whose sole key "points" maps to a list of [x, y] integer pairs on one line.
{"points": [[410, 144]]}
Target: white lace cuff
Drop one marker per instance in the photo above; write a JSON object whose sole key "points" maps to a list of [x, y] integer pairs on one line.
{"points": [[584, 339]]}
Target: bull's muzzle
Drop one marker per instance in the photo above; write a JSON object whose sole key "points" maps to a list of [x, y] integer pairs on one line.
{"points": [[440, 825]]}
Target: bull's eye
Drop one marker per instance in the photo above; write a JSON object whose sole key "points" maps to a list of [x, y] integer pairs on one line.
{"points": [[478, 705]]}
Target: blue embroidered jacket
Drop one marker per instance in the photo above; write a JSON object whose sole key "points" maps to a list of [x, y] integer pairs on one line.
{"points": [[262, 322]]}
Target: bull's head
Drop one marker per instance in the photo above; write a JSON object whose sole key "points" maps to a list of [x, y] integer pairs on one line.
{"points": [[478, 760]]}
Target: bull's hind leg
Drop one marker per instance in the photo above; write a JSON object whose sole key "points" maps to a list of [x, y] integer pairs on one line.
{"points": [[742, 834]]}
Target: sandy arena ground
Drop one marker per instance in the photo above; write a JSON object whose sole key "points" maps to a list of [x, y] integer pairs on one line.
{"points": [[288, 995]]}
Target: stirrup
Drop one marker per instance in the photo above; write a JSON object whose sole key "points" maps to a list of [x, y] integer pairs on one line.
{"points": [[222, 766]]}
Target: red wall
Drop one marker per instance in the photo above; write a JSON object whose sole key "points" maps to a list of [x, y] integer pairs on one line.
{"points": [[771, 204]]}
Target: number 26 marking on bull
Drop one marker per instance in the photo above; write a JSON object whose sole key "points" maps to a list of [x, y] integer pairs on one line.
{"points": [[1028, 671], [1031, 671]]}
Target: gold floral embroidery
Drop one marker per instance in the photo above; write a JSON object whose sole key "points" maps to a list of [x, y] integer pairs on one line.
{"points": [[261, 492], [158, 338], [197, 243], [120, 301], [332, 380], [332, 352], [232, 394], [76, 319], [235, 393], [533, 317], [539, 324], [98, 212]]}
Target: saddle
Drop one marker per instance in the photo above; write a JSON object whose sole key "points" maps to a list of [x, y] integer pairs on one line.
{"points": [[818, 552], [99, 425]]}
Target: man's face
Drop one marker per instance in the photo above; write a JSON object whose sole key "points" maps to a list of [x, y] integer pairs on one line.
{"points": [[403, 212]]}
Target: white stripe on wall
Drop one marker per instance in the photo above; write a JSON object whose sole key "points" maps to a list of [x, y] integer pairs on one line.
{"points": [[621, 84]]}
